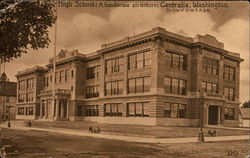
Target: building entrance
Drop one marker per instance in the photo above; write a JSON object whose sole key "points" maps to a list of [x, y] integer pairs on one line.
{"points": [[213, 112]]}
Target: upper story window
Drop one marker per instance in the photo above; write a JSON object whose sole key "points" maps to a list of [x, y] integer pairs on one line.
{"points": [[72, 73], [66, 74], [113, 88], [30, 83], [229, 73], [62, 76], [138, 109], [139, 85], [175, 61], [22, 84], [139, 60], [210, 66], [46, 81], [92, 72], [113, 65], [210, 87], [174, 110], [57, 77], [174, 85], [21, 97], [229, 93], [92, 91], [30, 97]]}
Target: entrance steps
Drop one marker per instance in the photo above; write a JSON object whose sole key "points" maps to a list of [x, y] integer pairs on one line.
{"points": [[223, 127]]}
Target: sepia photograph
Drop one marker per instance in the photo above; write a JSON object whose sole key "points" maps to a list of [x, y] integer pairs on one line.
{"points": [[124, 79]]}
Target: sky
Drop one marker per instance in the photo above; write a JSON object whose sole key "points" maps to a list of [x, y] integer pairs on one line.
{"points": [[86, 29]]}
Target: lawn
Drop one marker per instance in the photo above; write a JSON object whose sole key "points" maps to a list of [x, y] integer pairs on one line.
{"points": [[144, 131], [34, 144]]}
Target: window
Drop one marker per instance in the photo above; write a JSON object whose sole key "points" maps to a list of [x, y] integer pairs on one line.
{"points": [[20, 111], [57, 77], [29, 110], [139, 85], [30, 83], [92, 91], [174, 110], [113, 88], [138, 109], [139, 60], [210, 87], [22, 84], [113, 109], [229, 93], [46, 81], [174, 86], [113, 65], [229, 73], [210, 66], [30, 97], [229, 113], [66, 74], [175, 61], [21, 97], [62, 73], [91, 110], [72, 73], [92, 72]]}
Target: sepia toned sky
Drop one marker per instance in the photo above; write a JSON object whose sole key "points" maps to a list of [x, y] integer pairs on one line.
{"points": [[86, 29]]}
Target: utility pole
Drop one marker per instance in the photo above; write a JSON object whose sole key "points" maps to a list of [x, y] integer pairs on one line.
{"points": [[9, 106], [201, 134], [54, 69]]}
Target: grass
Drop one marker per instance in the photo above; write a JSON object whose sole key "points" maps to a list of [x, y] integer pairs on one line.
{"points": [[34, 144], [146, 131]]}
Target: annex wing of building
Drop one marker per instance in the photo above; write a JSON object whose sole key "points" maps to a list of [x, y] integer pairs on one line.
{"points": [[153, 78]]}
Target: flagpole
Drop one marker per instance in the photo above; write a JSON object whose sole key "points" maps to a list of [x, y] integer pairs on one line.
{"points": [[54, 68]]}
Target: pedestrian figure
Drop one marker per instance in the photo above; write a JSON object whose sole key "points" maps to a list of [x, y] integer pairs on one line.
{"points": [[90, 129], [29, 124], [212, 133]]}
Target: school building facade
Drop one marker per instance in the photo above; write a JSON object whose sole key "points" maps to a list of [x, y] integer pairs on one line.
{"points": [[153, 78]]}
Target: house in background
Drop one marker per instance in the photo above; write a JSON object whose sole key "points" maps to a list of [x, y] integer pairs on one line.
{"points": [[7, 98], [153, 78], [245, 117]]}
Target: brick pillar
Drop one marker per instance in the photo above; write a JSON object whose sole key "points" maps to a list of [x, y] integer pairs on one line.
{"points": [[196, 70], [125, 70], [221, 70], [41, 109], [46, 109], [124, 109], [62, 108], [153, 109], [237, 83], [101, 109], [57, 109], [67, 115], [102, 77]]}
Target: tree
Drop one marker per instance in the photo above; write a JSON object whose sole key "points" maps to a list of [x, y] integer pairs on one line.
{"points": [[246, 104], [24, 24]]}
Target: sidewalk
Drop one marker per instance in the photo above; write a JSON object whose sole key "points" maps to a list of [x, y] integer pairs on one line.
{"points": [[138, 139]]}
